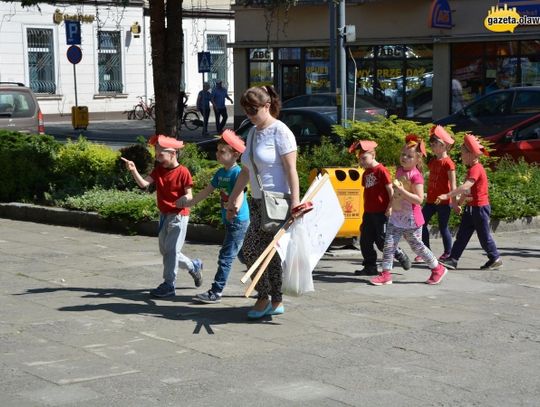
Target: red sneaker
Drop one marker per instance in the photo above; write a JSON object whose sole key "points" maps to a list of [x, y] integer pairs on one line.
{"points": [[444, 256], [383, 278], [437, 274], [418, 259]]}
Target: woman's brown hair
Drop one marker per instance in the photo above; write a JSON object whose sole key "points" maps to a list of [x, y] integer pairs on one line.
{"points": [[258, 96]]}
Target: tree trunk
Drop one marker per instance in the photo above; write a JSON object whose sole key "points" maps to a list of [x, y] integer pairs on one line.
{"points": [[166, 41]]}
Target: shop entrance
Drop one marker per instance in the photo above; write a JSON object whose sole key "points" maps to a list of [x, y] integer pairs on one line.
{"points": [[289, 81]]}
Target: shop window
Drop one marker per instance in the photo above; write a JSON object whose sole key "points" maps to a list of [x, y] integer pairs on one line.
{"points": [[317, 70], [418, 88], [261, 67], [530, 63], [217, 46], [110, 62], [41, 60]]}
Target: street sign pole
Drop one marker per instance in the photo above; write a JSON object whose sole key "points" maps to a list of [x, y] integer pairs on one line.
{"points": [[75, 80]]}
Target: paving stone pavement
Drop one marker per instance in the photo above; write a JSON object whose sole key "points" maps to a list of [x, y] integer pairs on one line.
{"points": [[78, 328]]}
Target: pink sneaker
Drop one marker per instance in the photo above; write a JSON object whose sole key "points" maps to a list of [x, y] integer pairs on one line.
{"points": [[444, 256], [383, 278], [418, 259], [437, 275]]}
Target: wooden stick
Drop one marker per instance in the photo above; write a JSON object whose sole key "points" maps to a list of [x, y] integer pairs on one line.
{"points": [[263, 255], [259, 274], [270, 250]]}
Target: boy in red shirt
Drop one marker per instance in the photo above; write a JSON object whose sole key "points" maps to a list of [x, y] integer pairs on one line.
{"points": [[378, 192], [477, 210], [442, 179], [172, 182]]}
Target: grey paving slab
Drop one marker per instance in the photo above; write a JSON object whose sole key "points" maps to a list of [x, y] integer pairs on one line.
{"points": [[77, 328]]}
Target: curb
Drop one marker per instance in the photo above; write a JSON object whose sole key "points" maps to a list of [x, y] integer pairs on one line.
{"points": [[196, 232], [92, 221]]}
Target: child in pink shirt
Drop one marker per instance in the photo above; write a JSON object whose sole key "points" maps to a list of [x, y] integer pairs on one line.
{"points": [[406, 217]]}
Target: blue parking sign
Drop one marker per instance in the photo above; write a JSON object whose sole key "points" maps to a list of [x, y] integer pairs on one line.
{"points": [[205, 63], [73, 32]]}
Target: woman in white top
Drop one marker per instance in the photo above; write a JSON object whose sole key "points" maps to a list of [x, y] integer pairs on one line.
{"points": [[274, 153]]}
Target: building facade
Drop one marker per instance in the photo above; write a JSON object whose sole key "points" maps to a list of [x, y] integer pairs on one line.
{"points": [[418, 58], [116, 66]]}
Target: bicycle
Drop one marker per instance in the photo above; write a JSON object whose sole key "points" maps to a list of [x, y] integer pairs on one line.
{"points": [[191, 118], [143, 111]]}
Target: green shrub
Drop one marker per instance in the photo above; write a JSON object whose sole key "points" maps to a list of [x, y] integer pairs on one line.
{"points": [[143, 159], [325, 155], [209, 210], [82, 165], [26, 163], [136, 206]]}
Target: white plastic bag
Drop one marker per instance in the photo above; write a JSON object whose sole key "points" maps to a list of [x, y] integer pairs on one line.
{"points": [[297, 278]]}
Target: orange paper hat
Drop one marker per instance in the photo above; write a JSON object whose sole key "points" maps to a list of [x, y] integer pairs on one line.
{"points": [[441, 134], [232, 139], [412, 140], [473, 145], [165, 142], [364, 145]]}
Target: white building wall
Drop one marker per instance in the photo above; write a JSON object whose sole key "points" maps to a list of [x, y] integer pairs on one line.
{"points": [[195, 35], [136, 64]]}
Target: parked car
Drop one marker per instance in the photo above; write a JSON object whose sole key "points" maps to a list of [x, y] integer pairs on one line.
{"points": [[496, 111], [308, 125], [365, 105], [522, 140], [19, 109]]}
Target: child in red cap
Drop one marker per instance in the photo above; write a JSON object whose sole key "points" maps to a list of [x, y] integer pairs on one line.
{"points": [[442, 179], [406, 213], [475, 217], [229, 149], [378, 191], [172, 181]]}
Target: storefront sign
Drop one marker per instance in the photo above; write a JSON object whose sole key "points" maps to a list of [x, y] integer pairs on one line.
{"points": [[58, 17], [260, 54], [440, 15]]}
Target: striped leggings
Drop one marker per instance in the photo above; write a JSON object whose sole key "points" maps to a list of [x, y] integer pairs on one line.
{"points": [[414, 238]]}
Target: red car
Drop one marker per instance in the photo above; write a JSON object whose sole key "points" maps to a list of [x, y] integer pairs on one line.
{"points": [[520, 140]]}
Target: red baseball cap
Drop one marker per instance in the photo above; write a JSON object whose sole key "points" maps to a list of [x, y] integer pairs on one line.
{"points": [[232, 139], [441, 134], [418, 141], [473, 145], [364, 145], [165, 142]]}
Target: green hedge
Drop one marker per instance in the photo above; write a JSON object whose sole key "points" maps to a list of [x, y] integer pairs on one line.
{"points": [[91, 177]]}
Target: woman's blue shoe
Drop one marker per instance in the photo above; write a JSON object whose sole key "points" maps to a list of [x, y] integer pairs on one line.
{"points": [[277, 311], [254, 314]]}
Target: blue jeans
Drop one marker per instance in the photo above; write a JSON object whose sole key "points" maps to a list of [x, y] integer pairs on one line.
{"points": [[234, 238], [443, 213]]}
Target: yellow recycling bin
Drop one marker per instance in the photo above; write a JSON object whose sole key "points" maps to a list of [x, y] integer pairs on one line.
{"points": [[79, 117], [347, 183]]}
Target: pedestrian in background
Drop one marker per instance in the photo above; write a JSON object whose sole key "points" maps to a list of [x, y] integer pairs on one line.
{"points": [[406, 213], [442, 179], [180, 106], [172, 181], [271, 147], [378, 192], [219, 95], [477, 212], [204, 98], [229, 149]]}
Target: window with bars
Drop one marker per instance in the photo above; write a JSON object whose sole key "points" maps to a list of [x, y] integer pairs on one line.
{"points": [[110, 62], [217, 46], [41, 60]]}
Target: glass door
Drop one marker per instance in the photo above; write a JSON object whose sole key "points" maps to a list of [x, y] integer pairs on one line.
{"points": [[290, 81]]}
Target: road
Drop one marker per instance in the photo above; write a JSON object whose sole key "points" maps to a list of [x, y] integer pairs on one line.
{"points": [[114, 133]]}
